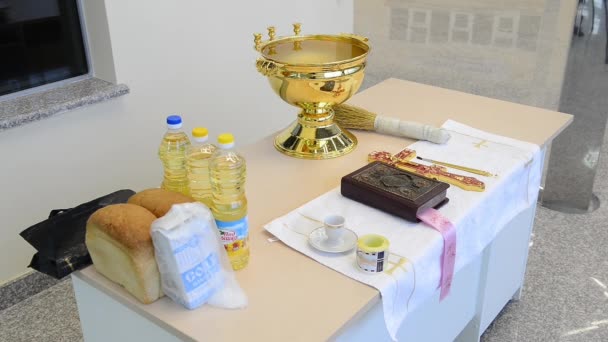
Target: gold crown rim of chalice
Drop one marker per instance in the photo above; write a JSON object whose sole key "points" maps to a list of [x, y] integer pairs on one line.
{"points": [[314, 87]]}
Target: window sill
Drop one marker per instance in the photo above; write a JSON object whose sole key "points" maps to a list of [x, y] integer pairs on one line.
{"points": [[22, 110]]}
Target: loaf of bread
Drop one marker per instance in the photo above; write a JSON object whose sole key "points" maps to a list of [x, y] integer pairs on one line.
{"points": [[159, 201], [119, 242]]}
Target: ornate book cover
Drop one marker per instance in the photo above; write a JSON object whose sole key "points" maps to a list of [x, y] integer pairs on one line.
{"points": [[394, 191]]}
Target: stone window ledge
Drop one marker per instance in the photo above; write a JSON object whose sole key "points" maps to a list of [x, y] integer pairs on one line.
{"points": [[22, 110]]}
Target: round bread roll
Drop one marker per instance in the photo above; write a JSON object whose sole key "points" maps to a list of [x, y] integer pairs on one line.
{"points": [[159, 201]]}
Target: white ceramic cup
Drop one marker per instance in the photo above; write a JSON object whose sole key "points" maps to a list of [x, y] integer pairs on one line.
{"points": [[334, 228]]}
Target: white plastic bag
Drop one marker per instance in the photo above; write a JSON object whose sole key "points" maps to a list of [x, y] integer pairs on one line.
{"points": [[192, 261]]}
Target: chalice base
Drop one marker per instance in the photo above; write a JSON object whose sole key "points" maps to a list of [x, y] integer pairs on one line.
{"points": [[315, 142]]}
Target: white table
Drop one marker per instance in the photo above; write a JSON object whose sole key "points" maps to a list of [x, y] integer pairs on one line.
{"points": [[294, 298]]}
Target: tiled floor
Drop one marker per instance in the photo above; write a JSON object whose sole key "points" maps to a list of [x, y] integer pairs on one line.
{"points": [[50, 315], [566, 290], [24, 287]]}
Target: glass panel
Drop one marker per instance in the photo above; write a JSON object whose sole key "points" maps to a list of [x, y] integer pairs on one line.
{"points": [[40, 42], [521, 51]]}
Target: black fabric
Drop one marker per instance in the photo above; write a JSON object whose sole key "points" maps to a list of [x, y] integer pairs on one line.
{"points": [[59, 240]]}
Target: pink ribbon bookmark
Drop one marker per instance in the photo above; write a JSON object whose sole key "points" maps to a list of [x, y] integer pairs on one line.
{"points": [[433, 218]]}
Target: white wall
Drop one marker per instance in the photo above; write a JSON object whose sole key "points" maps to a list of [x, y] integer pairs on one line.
{"points": [[190, 57]]}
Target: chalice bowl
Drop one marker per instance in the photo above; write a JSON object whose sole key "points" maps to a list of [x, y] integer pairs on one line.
{"points": [[313, 72]]}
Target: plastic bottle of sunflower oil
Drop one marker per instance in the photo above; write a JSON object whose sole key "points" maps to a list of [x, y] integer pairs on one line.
{"points": [[198, 156], [228, 172], [172, 153]]}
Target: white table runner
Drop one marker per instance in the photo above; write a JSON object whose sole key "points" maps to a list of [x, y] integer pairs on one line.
{"points": [[477, 216]]}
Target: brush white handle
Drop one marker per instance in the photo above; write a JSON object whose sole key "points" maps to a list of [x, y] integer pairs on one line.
{"points": [[410, 129]]}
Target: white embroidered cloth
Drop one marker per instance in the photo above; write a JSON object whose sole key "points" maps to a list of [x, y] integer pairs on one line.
{"points": [[477, 216]]}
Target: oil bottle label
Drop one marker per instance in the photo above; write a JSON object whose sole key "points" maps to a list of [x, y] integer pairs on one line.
{"points": [[233, 231]]}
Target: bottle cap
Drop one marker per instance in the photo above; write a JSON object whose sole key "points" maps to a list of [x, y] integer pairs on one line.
{"points": [[200, 132], [174, 121], [225, 140]]}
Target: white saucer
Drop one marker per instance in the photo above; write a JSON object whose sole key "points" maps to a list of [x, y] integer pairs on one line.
{"points": [[318, 240]]}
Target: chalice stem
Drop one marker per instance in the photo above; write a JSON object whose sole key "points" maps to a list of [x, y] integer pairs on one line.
{"points": [[316, 118]]}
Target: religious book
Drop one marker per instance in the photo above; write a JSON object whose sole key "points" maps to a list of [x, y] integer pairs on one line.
{"points": [[397, 192]]}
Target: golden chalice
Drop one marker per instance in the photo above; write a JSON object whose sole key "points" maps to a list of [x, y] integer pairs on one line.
{"points": [[313, 72]]}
